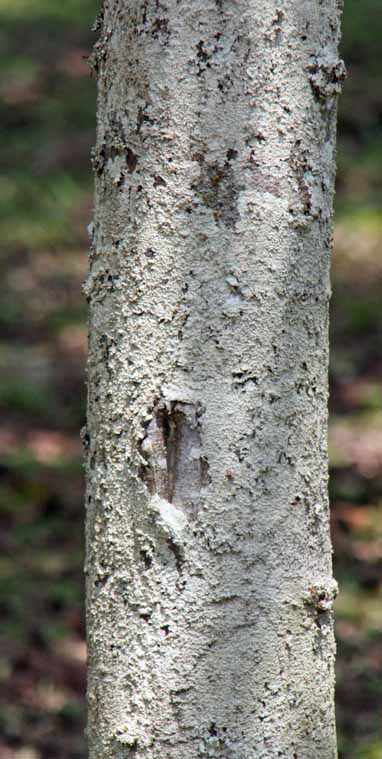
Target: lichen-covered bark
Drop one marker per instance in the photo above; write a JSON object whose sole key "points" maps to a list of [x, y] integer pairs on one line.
{"points": [[209, 578]]}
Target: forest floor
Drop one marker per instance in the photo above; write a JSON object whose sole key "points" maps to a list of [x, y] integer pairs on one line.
{"points": [[47, 121]]}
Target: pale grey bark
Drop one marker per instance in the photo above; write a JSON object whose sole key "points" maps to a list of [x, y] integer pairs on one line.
{"points": [[209, 579]]}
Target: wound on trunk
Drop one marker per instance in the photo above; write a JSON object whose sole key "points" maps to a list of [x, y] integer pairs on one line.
{"points": [[174, 467]]}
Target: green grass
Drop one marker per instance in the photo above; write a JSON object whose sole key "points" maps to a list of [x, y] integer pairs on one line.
{"points": [[79, 12]]}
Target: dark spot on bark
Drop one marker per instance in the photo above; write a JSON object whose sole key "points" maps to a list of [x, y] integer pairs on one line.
{"points": [[131, 160], [146, 558], [241, 378], [106, 345], [143, 118], [150, 253], [326, 77], [323, 619], [85, 438], [203, 57], [177, 551], [166, 629], [218, 190], [145, 617], [225, 84], [205, 471], [201, 54], [160, 28], [101, 581], [278, 18], [319, 605], [212, 729], [159, 181], [198, 157], [98, 159], [232, 154]]}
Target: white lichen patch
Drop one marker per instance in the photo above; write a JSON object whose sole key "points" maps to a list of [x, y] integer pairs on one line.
{"points": [[171, 519]]}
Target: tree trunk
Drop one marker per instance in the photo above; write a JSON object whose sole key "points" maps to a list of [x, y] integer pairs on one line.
{"points": [[209, 579]]}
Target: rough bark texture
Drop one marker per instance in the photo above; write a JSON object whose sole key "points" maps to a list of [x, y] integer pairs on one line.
{"points": [[209, 574]]}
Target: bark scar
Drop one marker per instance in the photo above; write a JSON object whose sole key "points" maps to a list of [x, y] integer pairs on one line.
{"points": [[172, 464]]}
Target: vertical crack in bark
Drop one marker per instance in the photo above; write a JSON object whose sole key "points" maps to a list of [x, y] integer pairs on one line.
{"points": [[174, 467]]}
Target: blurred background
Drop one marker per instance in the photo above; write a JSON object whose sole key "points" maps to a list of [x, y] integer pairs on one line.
{"points": [[47, 130]]}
